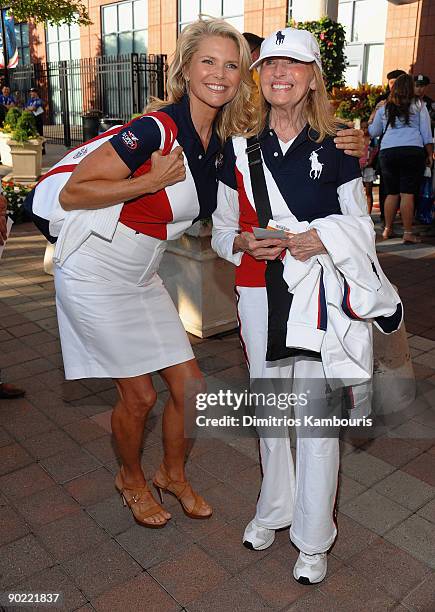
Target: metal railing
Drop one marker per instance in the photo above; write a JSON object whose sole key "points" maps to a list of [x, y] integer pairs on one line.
{"points": [[118, 86]]}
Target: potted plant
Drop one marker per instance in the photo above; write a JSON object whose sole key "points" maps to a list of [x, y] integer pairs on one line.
{"points": [[26, 149], [9, 125]]}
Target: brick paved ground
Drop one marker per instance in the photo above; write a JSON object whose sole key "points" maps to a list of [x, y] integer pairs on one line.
{"points": [[63, 528]]}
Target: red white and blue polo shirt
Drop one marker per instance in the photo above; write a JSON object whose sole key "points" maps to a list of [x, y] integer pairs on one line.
{"points": [[310, 177], [169, 212]]}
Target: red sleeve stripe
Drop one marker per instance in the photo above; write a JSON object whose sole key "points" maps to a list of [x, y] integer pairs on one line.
{"points": [[58, 170]]}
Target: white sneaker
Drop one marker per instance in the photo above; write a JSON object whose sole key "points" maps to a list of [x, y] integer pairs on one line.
{"points": [[257, 537], [310, 569]]}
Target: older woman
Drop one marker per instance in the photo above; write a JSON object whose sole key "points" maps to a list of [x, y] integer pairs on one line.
{"points": [[309, 336], [115, 317]]}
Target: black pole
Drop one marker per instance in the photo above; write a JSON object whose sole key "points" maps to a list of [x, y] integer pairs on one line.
{"points": [[5, 52]]}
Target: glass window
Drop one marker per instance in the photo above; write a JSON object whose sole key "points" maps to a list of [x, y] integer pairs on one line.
{"points": [[75, 49], [125, 43], [110, 19], [211, 7], [189, 10], [345, 12], [374, 64], [63, 42], [25, 56], [63, 32], [370, 20], [74, 30], [352, 76], [140, 11], [53, 52], [230, 10], [125, 27], [64, 50], [237, 22], [140, 41], [233, 7], [22, 38], [110, 44], [125, 17], [51, 33]]}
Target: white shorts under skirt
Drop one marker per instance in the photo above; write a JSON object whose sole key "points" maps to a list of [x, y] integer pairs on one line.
{"points": [[116, 319]]}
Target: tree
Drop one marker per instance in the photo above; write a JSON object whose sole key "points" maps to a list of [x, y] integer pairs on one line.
{"points": [[49, 11]]}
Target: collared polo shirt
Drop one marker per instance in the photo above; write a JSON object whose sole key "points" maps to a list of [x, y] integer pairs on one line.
{"points": [[169, 212], [309, 176]]}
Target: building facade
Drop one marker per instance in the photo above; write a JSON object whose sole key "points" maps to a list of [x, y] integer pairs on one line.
{"points": [[381, 34]]}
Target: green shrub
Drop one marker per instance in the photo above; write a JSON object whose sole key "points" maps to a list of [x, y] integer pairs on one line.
{"points": [[11, 119], [25, 128], [331, 38], [356, 103]]}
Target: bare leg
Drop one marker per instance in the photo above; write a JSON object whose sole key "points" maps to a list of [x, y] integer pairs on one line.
{"points": [[137, 397], [407, 210], [390, 209], [178, 378], [407, 214], [369, 195], [184, 381]]}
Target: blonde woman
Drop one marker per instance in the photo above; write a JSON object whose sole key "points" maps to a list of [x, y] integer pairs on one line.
{"points": [[115, 317], [309, 183]]}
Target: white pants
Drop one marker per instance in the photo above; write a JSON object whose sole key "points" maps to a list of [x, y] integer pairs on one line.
{"points": [[304, 499]]}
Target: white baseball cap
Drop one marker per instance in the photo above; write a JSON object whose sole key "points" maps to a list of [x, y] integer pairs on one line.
{"points": [[289, 42]]}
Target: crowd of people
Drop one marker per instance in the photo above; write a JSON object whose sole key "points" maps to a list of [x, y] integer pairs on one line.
{"points": [[250, 153], [399, 146], [33, 104]]}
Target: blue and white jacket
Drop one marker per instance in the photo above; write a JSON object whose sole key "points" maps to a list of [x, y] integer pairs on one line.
{"points": [[336, 297]]}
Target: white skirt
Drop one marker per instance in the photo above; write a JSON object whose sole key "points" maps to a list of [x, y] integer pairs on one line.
{"points": [[116, 319]]}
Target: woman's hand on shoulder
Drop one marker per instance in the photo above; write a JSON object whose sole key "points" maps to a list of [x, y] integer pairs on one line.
{"points": [[267, 249], [305, 245], [351, 140], [167, 169]]}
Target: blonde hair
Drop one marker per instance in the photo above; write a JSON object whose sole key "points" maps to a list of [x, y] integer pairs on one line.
{"points": [[238, 114], [318, 111]]}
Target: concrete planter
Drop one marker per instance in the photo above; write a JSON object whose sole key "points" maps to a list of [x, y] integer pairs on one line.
{"points": [[5, 149], [200, 283], [26, 159]]}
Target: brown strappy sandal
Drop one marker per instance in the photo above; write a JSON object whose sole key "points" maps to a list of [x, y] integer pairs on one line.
{"points": [[163, 482], [410, 238], [141, 502]]}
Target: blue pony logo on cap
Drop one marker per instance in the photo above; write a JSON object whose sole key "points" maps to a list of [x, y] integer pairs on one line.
{"points": [[279, 37]]}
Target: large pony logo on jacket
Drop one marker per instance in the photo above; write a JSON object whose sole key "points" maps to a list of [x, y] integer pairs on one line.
{"points": [[316, 166]]}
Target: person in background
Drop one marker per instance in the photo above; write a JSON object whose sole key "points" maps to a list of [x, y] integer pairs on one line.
{"points": [[7, 391], [254, 43], [420, 83], [380, 101], [6, 99], [391, 78], [366, 164], [406, 147], [35, 105]]}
